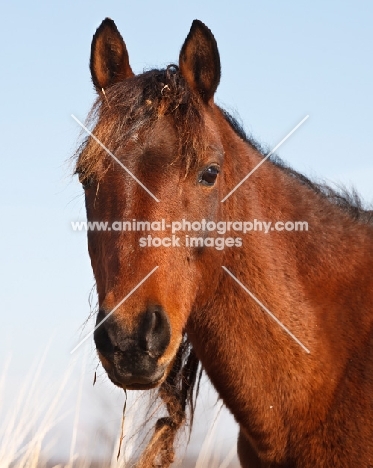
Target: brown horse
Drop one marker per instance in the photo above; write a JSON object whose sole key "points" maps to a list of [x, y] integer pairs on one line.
{"points": [[294, 408]]}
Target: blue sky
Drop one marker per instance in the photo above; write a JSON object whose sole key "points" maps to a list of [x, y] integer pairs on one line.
{"points": [[280, 62]]}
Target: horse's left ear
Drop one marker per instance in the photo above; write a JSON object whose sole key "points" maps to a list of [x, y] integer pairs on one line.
{"points": [[109, 57], [199, 61]]}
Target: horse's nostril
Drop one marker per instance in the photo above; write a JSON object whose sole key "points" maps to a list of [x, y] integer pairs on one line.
{"points": [[155, 331], [101, 336]]}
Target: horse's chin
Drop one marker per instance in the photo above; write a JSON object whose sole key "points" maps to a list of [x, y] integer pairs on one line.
{"points": [[137, 385], [149, 386], [135, 382], [132, 384]]}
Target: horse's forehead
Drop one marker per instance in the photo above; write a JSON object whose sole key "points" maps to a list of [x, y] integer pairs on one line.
{"points": [[162, 132], [213, 132]]}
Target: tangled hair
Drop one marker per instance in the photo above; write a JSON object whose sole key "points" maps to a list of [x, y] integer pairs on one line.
{"points": [[129, 108], [178, 393]]}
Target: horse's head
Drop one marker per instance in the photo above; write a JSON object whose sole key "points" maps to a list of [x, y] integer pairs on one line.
{"points": [[163, 160]]}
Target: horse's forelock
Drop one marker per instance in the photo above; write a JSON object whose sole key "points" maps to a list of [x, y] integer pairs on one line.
{"points": [[130, 108]]}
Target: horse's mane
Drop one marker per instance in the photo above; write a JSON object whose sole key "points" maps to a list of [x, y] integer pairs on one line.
{"points": [[130, 107], [348, 201]]}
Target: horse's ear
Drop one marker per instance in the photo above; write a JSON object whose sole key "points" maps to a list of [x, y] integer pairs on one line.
{"points": [[199, 61], [109, 61]]}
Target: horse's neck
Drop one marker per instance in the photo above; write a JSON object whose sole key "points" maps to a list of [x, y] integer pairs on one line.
{"points": [[308, 280], [315, 264]]}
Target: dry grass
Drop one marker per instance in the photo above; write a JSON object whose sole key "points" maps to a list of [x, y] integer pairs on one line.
{"points": [[29, 433], [27, 421]]}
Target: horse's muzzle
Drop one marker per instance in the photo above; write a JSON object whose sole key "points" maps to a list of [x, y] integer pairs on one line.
{"points": [[131, 359]]}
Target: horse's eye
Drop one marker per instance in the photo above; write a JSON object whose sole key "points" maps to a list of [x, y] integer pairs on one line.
{"points": [[208, 176]]}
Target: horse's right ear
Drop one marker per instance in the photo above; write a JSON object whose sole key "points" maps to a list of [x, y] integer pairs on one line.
{"points": [[109, 61], [199, 61]]}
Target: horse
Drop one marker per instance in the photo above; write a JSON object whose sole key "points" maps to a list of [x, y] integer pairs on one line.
{"points": [[162, 152]]}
